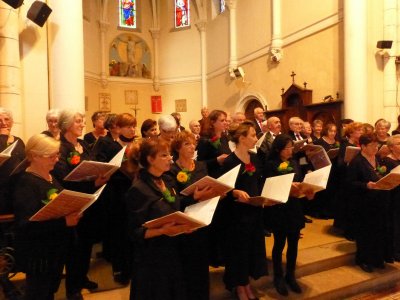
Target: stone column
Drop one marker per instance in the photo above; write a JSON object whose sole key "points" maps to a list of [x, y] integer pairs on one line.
{"points": [[233, 60], [276, 39], [155, 34], [66, 64], [201, 26], [10, 67], [104, 53], [390, 32], [355, 60]]}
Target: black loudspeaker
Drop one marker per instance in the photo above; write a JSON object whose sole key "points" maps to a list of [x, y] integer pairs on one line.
{"points": [[384, 44], [14, 3], [39, 12]]}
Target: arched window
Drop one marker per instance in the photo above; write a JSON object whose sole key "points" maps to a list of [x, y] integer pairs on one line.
{"points": [[182, 13], [221, 6], [127, 14]]}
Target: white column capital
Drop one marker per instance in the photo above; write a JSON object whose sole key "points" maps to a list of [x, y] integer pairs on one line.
{"points": [[155, 33], [201, 25], [103, 26], [231, 4]]}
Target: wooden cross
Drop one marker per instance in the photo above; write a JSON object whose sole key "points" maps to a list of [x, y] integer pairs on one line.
{"points": [[292, 75]]}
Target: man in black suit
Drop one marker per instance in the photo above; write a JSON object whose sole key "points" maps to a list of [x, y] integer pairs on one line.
{"points": [[296, 125], [259, 121], [274, 129], [177, 117]]}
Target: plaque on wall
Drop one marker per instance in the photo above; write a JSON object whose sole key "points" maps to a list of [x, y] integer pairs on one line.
{"points": [[180, 105], [105, 102]]}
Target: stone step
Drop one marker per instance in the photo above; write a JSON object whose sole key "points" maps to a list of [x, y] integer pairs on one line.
{"points": [[324, 257], [338, 283]]}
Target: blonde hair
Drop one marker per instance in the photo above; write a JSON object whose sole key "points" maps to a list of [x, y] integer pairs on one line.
{"points": [[393, 140], [41, 144]]}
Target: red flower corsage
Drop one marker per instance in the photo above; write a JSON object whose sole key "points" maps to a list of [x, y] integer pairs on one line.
{"points": [[74, 158], [215, 142], [249, 169]]}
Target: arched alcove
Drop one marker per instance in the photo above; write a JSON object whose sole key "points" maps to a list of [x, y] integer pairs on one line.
{"points": [[249, 101], [129, 56]]}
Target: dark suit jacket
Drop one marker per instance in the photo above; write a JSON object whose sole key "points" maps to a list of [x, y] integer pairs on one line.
{"points": [[291, 133], [259, 131]]}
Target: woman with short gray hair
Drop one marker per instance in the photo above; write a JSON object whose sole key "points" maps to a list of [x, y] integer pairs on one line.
{"points": [[73, 151]]}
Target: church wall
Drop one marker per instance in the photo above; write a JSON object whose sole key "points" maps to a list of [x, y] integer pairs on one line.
{"points": [[92, 46], [217, 36], [179, 65], [253, 26], [34, 75], [312, 51]]}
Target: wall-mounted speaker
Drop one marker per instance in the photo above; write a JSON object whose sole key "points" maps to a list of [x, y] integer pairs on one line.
{"points": [[39, 12], [384, 44], [14, 3]]}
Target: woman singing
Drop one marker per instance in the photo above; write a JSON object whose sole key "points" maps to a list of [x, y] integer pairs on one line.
{"points": [[41, 247], [243, 235], [157, 268]]}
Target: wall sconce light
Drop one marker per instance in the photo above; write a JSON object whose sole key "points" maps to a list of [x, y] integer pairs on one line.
{"points": [[39, 12], [14, 3], [237, 73]]}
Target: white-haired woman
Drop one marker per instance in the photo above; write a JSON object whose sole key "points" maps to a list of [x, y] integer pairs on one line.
{"points": [[17, 155], [41, 247], [168, 128], [52, 123], [72, 151]]}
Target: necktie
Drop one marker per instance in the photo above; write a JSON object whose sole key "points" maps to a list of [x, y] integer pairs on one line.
{"points": [[298, 137]]}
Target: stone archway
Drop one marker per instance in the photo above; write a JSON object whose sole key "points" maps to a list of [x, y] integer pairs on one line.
{"points": [[249, 102]]}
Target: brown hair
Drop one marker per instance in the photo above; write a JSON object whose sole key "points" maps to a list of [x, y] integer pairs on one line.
{"points": [[148, 147], [147, 125], [326, 128], [352, 127], [366, 139], [237, 130], [97, 115], [180, 138], [125, 119], [208, 128]]}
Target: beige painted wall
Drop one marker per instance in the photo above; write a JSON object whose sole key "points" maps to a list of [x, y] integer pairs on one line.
{"points": [[314, 56], [34, 74]]}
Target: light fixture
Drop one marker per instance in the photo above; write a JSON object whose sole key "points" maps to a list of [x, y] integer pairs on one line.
{"points": [[384, 44], [237, 73], [14, 3], [39, 12]]}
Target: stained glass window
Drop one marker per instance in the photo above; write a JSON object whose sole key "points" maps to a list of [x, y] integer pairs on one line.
{"points": [[221, 6], [127, 13], [182, 13]]}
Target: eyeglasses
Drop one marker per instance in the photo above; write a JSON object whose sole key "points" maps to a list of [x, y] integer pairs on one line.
{"points": [[52, 156]]}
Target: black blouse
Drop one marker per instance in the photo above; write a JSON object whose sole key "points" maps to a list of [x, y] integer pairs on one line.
{"points": [[289, 216], [38, 244], [207, 152]]}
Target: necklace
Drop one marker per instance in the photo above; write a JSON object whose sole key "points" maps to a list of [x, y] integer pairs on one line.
{"points": [[190, 168], [49, 179]]}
